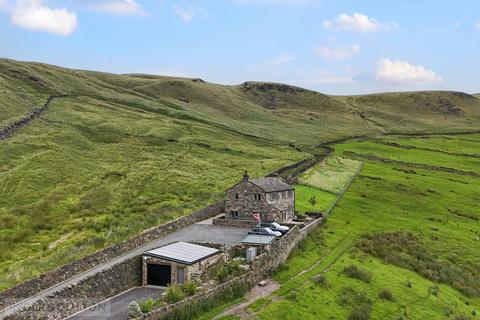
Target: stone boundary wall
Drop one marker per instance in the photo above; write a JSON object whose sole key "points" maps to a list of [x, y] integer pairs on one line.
{"points": [[53, 277], [166, 311], [90, 291], [234, 223]]}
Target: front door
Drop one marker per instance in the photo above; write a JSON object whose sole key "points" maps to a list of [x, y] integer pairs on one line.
{"points": [[180, 275]]}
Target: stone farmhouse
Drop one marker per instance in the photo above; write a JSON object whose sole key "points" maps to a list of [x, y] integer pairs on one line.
{"points": [[270, 199]]}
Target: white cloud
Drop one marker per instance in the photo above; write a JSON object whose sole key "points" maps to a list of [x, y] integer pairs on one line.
{"points": [[187, 14], [358, 22], [337, 53], [119, 7], [403, 72], [477, 25], [34, 15]]}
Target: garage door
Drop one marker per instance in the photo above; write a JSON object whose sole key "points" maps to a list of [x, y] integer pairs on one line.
{"points": [[158, 275]]}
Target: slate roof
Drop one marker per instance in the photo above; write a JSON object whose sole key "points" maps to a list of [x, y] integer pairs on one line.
{"points": [[272, 184], [182, 252]]}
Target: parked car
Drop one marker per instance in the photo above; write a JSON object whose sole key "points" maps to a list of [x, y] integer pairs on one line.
{"points": [[275, 226], [265, 231]]}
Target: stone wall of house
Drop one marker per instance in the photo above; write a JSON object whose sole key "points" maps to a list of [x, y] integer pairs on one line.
{"points": [[246, 204], [49, 279], [119, 278], [284, 200], [234, 223]]}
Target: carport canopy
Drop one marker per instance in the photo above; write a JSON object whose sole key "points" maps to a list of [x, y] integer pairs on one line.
{"points": [[182, 252], [258, 239]]}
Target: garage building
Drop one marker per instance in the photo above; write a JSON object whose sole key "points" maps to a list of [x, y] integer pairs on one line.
{"points": [[177, 263]]}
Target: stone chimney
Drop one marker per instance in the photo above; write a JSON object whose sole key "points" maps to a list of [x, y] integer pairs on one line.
{"points": [[246, 176]]}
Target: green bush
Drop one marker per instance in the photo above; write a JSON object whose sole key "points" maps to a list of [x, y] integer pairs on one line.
{"points": [[174, 294], [322, 280], [228, 270], [221, 273], [147, 306], [386, 294], [360, 312], [434, 290], [190, 311], [352, 271], [189, 288]]}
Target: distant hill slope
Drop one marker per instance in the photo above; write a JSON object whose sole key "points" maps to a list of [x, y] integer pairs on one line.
{"points": [[115, 154]]}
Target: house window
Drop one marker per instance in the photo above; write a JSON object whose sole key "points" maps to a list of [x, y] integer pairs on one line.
{"points": [[290, 193], [258, 196], [236, 196], [234, 214]]}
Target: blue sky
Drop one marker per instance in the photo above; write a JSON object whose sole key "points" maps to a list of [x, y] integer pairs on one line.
{"points": [[333, 46]]}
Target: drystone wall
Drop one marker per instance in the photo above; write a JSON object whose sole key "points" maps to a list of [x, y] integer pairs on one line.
{"points": [[49, 279], [88, 292]]}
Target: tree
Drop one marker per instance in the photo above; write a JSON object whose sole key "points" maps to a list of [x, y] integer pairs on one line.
{"points": [[313, 201]]}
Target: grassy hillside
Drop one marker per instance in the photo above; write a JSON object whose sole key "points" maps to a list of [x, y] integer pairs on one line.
{"points": [[119, 153], [402, 244]]}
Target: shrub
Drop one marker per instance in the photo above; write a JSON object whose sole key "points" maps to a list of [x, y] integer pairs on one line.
{"points": [[434, 290], [221, 273], [322, 281], [134, 310], [147, 305], [360, 312], [352, 271], [174, 294], [407, 251], [190, 288], [386, 294], [193, 309], [228, 270]]}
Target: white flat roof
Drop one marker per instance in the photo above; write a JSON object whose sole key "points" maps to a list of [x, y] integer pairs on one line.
{"points": [[182, 252]]}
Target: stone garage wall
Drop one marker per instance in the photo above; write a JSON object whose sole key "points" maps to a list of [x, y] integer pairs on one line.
{"points": [[49, 279], [119, 278]]}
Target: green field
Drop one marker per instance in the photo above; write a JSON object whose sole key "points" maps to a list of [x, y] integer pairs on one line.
{"points": [[330, 175], [304, 193], [413, 234], [117, 154]]}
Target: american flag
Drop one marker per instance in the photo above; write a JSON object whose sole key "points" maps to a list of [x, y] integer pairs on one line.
{"points": [[256, 216]]}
